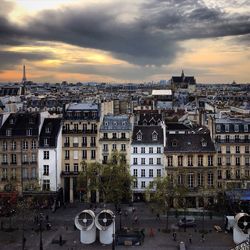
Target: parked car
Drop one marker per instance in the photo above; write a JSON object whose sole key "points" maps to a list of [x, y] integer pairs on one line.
{"points": [[188, 221]]}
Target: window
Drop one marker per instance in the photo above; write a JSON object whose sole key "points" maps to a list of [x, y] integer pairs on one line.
{"points": [[45, 169], [200, 179], [228, 149], [135, 150], [33, 173], [142, 161], [210, 160], [180, 179], [154, 136], [46, 185], [200, 160], [158, 172], [67, 168], [114, 135], [228, 174], [158, 150], [237, 161], [237, 174], [113, 147], [13, 173], [13, 158], [45, 142], [135, 161], [237, 149], [66, 154], [151, 150], [25, 145], [170, 161], [135, 184], [135, 172], [247, 162], [218, 128], [247, 149], [92, 154], [203, 143], [158, 161], [219, 161], [9, 132], [75, 167], [105, 159], [180, 160], [236, 138], [5, 159], [151, 161], [123, 147], [139, 136], [4, 173], [84, 141], [123, 135], [219, 149], [25, 158], [219, 175], [75, 127], [75, 142], [142, 172], [105, 147], [105, 135], [5, 147], [151, 173], [227, 138], [236, 128], [228, 161], [143, 150], [245, 127], [93, 142], [33, 158], [25, 173], [13, 145], [29, 132], [210, 179], [227, 127], [48, 130], [33, 144], [190, 180], [45, 154], [218, 138], [75, 155], [143, 184], [190, 160]]}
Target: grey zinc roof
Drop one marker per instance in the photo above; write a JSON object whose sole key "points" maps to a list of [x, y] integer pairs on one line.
{"points": [[82, 106], [118, 122], [189, 143]]}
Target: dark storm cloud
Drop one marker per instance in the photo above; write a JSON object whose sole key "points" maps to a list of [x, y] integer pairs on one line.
{"points": [[150, 38], [9, 58]]}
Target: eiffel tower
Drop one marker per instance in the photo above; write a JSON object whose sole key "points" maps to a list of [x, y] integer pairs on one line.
{"points": [[24, 79]]}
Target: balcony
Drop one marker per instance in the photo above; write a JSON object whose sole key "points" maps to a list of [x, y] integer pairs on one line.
{"points": [[75, 145], [84, 144], [92, 144], [232, 140], [4, 163], [66, 144], [69, 173]]}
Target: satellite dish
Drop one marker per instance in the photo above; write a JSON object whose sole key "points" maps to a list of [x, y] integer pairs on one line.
{"points": [[85, 222], [243, 221], [105, 222]]}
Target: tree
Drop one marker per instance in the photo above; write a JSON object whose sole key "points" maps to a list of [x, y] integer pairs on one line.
{"points": [[162, 194], [111, 180]]}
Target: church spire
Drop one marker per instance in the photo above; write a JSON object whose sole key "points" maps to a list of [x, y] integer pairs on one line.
{"points": [[182, 74]]}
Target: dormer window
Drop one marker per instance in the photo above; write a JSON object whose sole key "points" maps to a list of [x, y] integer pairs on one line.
{"points": [[174, 143], [45, 142], [115, 123], [236, 128], [48, 130], [139, 136], [106, 123], [227, 127], [9, 132], [124, 123], [145, 122], [246, 128], [154, 136], [31, 121], [11, 121], [152, 121], [29, 132], [203, 143], [218, 128]]}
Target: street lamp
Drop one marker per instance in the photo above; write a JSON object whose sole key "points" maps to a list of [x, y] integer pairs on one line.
{"points": [[40, 228], [113, 235]]}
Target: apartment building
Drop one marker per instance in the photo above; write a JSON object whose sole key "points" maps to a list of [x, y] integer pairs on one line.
{"points": [[19, 150], [79, 144], [115, 135]]}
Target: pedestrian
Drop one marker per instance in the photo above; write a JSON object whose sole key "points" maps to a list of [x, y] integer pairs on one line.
{"points": [[151, 232], [190, 238], [126, 213], [158, 216], [174, 236], [135, 219], [203, 237]]}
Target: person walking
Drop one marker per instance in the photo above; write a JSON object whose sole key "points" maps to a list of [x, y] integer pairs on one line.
{"points": [[174, 236], [203, 237], [190, 238]]}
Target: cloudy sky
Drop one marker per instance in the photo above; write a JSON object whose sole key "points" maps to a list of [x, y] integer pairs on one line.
{"points": [[123, 41]]}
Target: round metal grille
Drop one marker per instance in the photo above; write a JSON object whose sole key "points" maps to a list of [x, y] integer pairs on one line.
{"points": [[105, 219]]}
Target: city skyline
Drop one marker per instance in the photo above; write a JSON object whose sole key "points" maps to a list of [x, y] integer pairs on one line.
{"points": [[122, 42]]}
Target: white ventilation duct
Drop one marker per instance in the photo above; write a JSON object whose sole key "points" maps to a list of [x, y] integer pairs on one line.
{"points": [[105, 222], [85, 222], [241, 229]]}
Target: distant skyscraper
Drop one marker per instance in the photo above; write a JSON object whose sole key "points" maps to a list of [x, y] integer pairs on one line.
{"points": [[24, 75]]}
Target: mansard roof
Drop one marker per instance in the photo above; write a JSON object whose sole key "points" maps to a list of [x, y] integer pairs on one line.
{"points": [[146, 135], [189, 143], [49, 132], [115, 123], [18, 124]]}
